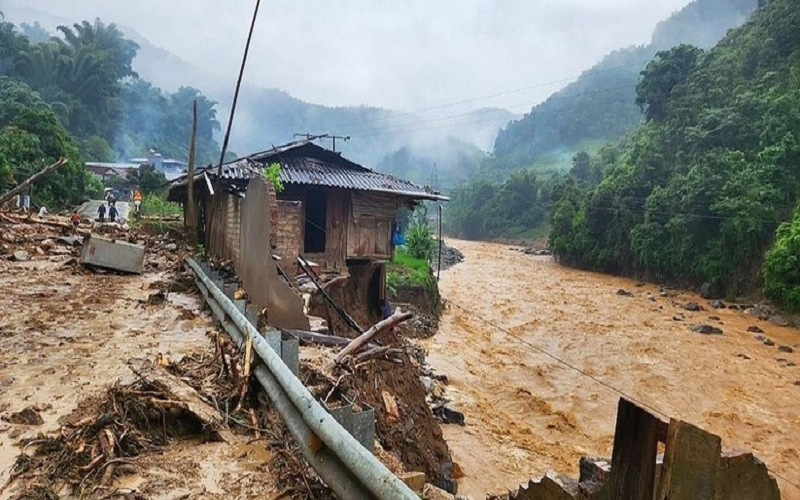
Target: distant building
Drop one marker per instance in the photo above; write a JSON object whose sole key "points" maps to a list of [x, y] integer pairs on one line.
{"points": [[171, 168]]}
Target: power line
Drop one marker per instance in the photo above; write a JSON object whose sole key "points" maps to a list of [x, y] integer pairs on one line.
{"points": [[582, 372]]}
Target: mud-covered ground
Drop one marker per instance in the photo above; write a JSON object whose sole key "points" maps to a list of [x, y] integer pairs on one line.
{"points": [[527, 414], [66, 336]]}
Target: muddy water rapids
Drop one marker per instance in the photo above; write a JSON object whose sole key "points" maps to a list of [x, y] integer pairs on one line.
{"points": [[528, 414]]}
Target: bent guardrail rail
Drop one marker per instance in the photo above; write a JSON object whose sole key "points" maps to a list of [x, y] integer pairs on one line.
{"points": [[350, 470]]}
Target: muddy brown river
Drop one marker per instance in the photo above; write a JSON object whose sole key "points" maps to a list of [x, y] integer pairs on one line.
{"points": [[528, 414]]}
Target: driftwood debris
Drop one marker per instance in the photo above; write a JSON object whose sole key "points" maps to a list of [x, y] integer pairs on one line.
{"points": [[182, 396], [30, 180], [377, 352], [354, 346]]}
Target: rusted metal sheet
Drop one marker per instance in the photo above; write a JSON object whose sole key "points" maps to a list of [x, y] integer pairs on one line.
{"points": [[112, 254], [255, 266]]}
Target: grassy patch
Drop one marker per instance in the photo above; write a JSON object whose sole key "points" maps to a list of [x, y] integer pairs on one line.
{"points": [[406, 270]]}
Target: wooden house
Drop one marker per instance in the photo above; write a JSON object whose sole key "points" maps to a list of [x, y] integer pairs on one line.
{"points": [[332, 211]]}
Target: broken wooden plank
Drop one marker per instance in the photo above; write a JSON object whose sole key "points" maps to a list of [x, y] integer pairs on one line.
{"points": [[182, 395], [744, 477], [633, 461], [691, 462]]}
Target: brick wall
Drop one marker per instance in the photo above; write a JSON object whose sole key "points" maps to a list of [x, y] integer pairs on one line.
{"points": [[232, 226], [289, 230]]}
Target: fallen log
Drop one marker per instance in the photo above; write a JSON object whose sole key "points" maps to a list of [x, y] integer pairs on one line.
{"points": [[181, 395], [30, 180], [354, 346]]}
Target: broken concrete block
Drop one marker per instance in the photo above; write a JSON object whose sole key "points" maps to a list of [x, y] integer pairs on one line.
{"points": [[431, 492], [112, 254]]}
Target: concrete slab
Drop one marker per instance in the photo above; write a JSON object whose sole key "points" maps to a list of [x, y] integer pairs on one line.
{"points": [[112, 254]]}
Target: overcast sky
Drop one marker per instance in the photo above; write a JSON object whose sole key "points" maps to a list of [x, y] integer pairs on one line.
{"points": [[406, 54]]}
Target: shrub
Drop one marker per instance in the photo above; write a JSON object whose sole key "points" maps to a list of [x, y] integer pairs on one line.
{"points": [[420, 242], [782, 266]]}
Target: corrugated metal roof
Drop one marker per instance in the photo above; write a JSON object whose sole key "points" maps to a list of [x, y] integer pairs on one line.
{"points": [[309, 164]]}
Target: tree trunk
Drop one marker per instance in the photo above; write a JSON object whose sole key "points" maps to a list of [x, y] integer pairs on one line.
{"points": [[30, 180]]}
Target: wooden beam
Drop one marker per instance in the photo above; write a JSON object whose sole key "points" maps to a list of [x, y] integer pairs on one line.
{"points": [[691, 462], [633, 463], [395, 319]]}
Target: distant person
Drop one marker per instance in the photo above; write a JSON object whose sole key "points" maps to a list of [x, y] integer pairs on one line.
{"points": [[42, 212], [137, 201], [101, 213], [75, 218], [112, 213]]}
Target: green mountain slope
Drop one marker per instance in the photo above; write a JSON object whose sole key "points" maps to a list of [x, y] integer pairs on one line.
{"points": [[696, 193], [599, 106]]}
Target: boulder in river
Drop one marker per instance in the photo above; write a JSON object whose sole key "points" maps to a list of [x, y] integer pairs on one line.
{"points": [[785, 348], [692, 306], [624, 293], [706, 329], [754, 329], [778, 320], [717, 304]]}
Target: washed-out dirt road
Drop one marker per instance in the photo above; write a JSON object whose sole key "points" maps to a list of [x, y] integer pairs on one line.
{"points": [[66, 336], [528, 414]]}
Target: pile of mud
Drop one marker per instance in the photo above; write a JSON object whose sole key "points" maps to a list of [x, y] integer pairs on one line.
{"points": [[406, 427]]}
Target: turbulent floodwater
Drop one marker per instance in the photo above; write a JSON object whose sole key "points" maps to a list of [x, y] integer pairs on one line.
{"points": [[528, 414]]}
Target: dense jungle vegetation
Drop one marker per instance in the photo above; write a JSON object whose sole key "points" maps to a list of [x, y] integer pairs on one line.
{"points": [[697, 193], [75, 94]]}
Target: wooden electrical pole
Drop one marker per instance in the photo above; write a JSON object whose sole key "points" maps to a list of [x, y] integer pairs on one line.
{"points": [[190, 210]]}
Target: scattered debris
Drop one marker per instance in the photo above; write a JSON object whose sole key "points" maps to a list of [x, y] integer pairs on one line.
{"points": [[449, 416], [21, 256], [624, 293], [706, 329], [28, 416]]}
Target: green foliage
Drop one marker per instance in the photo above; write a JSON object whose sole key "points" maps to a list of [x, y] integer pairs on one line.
{"points": [[517, 208], [419, 241], [782, 266], [668, 69], [695, 194], [156, 205], [600, 105], [407, 270], [273, 174], [149, 180]]}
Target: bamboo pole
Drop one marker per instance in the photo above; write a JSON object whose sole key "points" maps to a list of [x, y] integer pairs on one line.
{"points": [[363, 339], [190, 210]]}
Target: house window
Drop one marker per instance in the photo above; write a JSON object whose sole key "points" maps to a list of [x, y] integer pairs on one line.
{"points": [[316, 219]]}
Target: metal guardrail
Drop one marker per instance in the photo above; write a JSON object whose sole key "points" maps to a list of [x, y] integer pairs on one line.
{"points": [[348, 468]]}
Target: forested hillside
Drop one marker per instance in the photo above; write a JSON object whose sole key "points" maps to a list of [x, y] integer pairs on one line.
{"points": [[75, 94], [599, 106], [697, 193]]}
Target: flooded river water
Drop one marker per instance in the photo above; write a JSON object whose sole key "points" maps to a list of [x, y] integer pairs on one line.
{"points": [[528, 414]]}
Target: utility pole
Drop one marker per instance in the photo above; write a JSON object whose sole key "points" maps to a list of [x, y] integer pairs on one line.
{"points": [[190, 210], [334, 137]]}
